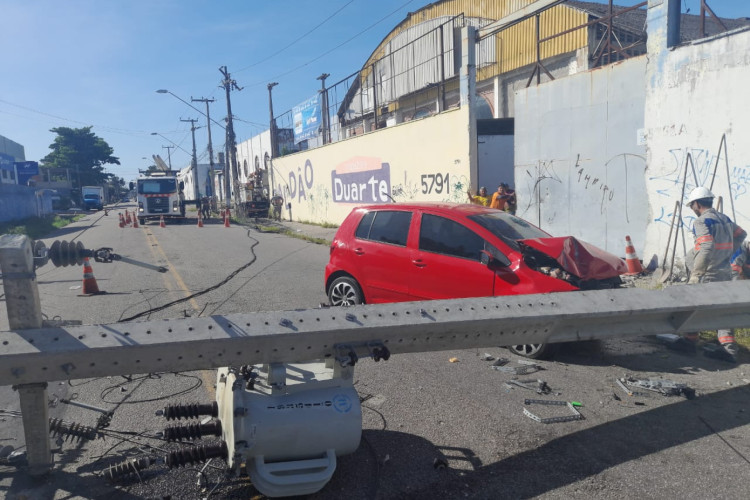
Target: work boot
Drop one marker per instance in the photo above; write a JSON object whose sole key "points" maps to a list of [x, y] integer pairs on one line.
{"points": [[721, 352], [732, 348], [680, 344]]}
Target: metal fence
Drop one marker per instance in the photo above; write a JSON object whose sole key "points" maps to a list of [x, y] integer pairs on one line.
{"points": [[415, 76]]}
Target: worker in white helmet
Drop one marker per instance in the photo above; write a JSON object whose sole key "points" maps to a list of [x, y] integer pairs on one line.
{"points": [[716, 240]]}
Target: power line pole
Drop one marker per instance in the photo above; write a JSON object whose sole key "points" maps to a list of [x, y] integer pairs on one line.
{"points": [[230, 85], [210, 146], [194, 168], [324, 106], [169, 155]]}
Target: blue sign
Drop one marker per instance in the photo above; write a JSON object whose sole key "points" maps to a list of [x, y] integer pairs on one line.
{"points": [[26, 170], [307, 119]]}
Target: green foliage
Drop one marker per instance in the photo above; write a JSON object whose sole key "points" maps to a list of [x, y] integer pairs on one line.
{"points": [[81, 151], [37, 227]]}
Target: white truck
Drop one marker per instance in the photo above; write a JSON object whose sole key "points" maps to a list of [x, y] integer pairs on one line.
{"points": [[93, 197], [159, 194]]}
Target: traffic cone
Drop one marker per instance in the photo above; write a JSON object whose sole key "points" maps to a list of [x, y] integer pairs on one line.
{"points": [[89, 282], [122, 220], [135, 220], [200, 219], [227, 216], [161, 222], [127, 218], [631, 259]]}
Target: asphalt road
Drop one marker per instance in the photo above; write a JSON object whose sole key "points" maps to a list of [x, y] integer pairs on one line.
{"points": [[431, 428]]}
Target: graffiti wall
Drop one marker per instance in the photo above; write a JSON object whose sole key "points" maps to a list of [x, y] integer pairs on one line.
{"points": [[423, 160], [697, 126], [580, 158]]}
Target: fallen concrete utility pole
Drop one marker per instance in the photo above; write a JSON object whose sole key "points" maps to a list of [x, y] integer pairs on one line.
{"points": [[31, 356]]}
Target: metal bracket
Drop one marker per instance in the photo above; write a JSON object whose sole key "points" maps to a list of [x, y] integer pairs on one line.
{"points": [[576, 415], [347, 355]]}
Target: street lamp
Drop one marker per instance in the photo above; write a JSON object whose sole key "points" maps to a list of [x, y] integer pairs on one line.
{"points": [[324, 106]]}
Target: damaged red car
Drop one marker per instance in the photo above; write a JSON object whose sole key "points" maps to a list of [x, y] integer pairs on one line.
{"points": [[425, 251]]}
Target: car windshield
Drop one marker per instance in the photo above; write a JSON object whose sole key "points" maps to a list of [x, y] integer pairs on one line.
{"points": [[90, 197], [508, 227]]}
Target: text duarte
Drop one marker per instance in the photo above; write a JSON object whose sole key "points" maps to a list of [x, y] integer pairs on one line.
{"points": [[368, 186]]}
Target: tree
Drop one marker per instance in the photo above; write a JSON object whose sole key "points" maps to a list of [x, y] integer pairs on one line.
{"points": [[80, 150]]}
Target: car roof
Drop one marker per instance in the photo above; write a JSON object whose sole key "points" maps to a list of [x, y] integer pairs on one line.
{"points": [[463, 209]]}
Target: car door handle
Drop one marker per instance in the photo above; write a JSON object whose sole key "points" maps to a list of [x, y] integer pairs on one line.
{"points": [[418, 263], [359, 251]]}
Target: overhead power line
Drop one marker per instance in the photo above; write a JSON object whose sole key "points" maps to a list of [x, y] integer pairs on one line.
{"points": [[296, 39], [264, 82]]}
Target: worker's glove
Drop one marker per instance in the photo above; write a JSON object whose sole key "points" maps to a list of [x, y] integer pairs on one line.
{"points": [[694, 279]]}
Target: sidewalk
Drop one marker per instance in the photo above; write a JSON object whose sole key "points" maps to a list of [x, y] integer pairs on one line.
{"points": [[310, 230]]}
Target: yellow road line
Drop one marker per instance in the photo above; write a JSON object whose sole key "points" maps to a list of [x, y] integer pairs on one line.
{"points": [[207, 376]]}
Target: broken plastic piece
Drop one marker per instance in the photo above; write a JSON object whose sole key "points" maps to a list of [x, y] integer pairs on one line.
{"points": [[718, 352], [453, 360], [576, 415]]}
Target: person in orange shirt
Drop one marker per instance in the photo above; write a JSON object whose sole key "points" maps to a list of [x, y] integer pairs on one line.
{"points": [[498, 198]]}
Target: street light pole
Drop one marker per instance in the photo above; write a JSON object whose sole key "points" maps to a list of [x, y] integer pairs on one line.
{"points": [[196, 191], [274, 136], [324, 106], [210, 146]]}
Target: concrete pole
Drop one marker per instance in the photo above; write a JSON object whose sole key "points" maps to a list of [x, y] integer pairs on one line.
{"points": [[25, 312], [467, 82]]}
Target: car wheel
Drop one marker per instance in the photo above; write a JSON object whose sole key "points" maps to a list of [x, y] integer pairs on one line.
{"points": [[141, 221], [534, 351], [345, 291]]}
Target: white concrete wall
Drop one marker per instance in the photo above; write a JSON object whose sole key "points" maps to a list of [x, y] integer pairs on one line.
{"points": [[695, 94], [400, 162], [579, 165]]}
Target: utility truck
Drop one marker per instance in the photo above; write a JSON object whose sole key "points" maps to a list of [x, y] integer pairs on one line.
{"points": [[159, 194]]}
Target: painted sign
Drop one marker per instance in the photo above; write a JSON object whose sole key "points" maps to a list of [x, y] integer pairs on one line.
{"points": [[361, 180], [307, 119], [26, 170]]}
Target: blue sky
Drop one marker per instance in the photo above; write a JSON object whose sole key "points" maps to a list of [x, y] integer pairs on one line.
{"points": [[93, 62]]}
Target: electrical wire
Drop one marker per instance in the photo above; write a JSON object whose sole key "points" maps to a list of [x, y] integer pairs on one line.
{"points": [[334, 48], [296, 39], [202, 292]]}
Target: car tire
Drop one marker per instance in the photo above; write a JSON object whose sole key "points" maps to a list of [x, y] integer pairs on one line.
{"points": [[534, 351], [142, 221], [345, 291]]}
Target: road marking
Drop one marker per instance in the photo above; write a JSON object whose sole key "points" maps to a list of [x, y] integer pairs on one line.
{"points": [[207, 376], [158, 252]]}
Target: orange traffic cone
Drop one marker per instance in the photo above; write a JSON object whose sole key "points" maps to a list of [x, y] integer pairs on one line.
{"points": [[161, 222], [122, 220], [89, 282], [127, 218], [227, 216], [135, 220], [631, 259], [200, 219]]}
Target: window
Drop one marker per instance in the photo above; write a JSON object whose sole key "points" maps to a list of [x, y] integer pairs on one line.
{"points": [[444, 236], [508, 227], [386, 226], [244, 168]]}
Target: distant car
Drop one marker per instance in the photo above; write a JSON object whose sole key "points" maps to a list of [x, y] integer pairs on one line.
{"points": [[425, 251]]}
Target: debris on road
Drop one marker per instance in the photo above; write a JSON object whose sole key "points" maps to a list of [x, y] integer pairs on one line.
{"points": [[662, 386], [453, 360], [539, 386], [575, 414], [518, 370]]}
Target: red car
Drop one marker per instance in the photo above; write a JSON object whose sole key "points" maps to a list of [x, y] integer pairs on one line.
{"points": [[422, 251]]}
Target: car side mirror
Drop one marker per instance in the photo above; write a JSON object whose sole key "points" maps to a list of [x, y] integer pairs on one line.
{"points": [[494, 261]]}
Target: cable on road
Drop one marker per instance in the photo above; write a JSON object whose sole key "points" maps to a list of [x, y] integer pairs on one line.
{"points": [[202, 292]]}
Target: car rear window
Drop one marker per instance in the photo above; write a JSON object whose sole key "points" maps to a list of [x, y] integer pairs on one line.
{"points": [[385, 226], [447, 237], [508, 227]]}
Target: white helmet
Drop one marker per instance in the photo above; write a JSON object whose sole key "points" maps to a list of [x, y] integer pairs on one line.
{"points": [[699, 193]]}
